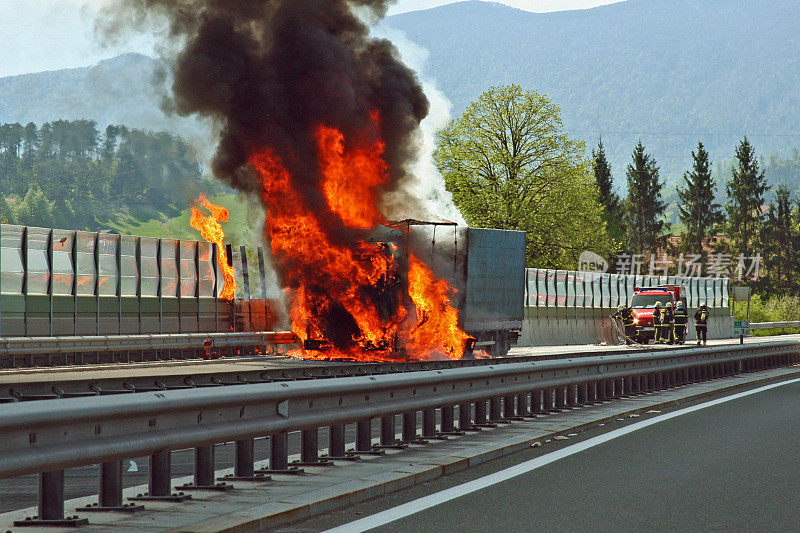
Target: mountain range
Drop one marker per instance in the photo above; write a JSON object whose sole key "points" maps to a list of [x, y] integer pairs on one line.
{"points": [[668, 72]]}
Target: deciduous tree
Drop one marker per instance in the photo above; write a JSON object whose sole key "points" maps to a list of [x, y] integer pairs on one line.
{"points": [[509, 165]]}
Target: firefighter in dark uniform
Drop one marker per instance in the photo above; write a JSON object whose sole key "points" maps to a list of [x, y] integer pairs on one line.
{"points": [[625, 315], [667, 323], [701, 324], [657, 316], [681, 318]]}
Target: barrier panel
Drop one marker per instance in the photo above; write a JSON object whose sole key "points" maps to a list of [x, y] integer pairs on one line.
{"points": [[57, 282], [576, 307]]}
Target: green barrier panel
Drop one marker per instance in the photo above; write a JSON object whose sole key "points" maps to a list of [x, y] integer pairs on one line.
{"points": [[63, 315], [170, 315], [37, 315], [206, 308], [129, 321], [86, 315], [149, 313], [13, 320], [109, 315], [188, 315]]}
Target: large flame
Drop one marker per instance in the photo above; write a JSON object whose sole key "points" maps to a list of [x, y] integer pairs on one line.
{"points": [[211, 230], [358, 298]]}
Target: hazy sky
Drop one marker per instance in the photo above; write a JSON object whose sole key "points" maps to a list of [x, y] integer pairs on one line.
{"points": [[53, 34]]}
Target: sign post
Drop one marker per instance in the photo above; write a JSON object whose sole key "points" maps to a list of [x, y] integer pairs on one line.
{"points": [[742, 329]]}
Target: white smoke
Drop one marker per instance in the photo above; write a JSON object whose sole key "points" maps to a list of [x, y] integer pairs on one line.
{"points": [[429, 185]]}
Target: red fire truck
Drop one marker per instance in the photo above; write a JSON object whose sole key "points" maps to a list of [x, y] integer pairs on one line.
{"points": [[643, 302]]}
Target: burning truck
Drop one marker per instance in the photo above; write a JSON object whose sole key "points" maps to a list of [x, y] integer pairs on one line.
{"points": [[482, 270]]}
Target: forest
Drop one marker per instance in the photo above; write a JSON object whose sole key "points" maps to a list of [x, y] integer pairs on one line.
{"points": [[69, 174]]}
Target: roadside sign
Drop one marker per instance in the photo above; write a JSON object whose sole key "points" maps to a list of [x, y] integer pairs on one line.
{"points": [[741, 293], [741, 328]]}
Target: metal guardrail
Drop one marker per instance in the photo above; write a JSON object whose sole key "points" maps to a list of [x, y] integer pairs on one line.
{"points": [[48, 436], [774, 325], [33, 351]]}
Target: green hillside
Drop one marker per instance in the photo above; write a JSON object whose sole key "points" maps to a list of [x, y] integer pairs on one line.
{"points": [[668, 72]]}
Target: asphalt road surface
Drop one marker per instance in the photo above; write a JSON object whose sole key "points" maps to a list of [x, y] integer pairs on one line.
{"points": [[730, 467]]}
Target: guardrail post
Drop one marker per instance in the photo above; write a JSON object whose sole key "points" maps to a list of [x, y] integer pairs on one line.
{"points": [[600, 391], [508, 407], [548, 400], [410, 429], [428, 423], [51, 503], [161, 474], [494, 410], [159, 485], [243, 466], [591, 392], [523, 407], [608, 393], [572, 396], [279, 456], [336, 444], [110, 493], [620, 391], [537, 404], [561, 398], [204, 478], [364, 438], [628, 383], [481, 417], [309, 449], [110, 490], [448, 421], [465, 416], [389, 434]]}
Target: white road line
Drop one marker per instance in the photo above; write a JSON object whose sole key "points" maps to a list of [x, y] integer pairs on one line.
{"points": [[426, 502]]}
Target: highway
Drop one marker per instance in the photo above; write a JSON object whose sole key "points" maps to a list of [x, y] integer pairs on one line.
{"points": [[729, 467]]}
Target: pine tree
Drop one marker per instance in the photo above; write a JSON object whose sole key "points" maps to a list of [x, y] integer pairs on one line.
{"points": [[699, 213], [644, 208], [782, 255], [746, 190], [612, 204]]}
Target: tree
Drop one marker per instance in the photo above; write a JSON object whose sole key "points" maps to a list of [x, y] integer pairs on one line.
{"points": [[6, 214], [35, 209], [612, 204], [783, 253], [644, 209], [746, 190], [509, 165], [698, 211]]}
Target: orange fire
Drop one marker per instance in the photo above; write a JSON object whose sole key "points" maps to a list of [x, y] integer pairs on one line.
{"points": [[211, 230], [354, 297]]}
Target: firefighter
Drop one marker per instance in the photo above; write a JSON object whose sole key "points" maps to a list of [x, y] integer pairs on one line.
{"points": [[681, 318], [701, 324], [657, 315], [667, 323], [625, 315]]}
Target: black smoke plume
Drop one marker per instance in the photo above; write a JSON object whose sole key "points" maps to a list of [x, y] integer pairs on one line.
{"points": [[267, 72]]}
